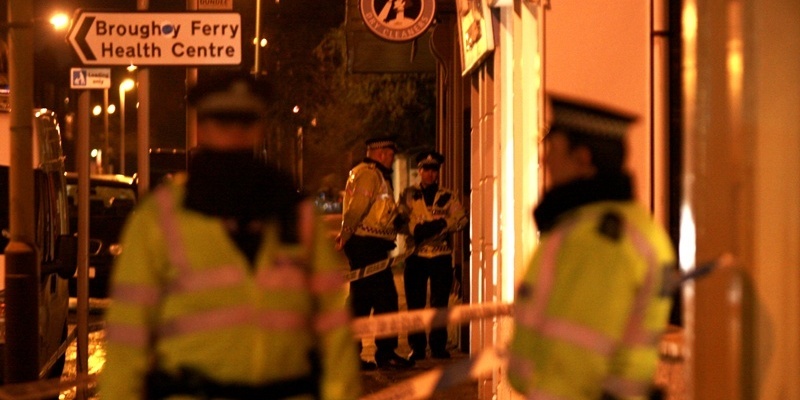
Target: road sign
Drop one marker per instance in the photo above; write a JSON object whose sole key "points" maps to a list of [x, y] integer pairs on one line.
{"points": [[143, 38], [90, 78], [215, 5]]}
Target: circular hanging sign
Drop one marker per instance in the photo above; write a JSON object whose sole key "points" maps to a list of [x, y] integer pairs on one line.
{"points": [[397, 20]]}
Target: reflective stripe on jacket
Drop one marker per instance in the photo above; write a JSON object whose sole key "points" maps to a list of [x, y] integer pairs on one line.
{"points": [[184, 295], [588, 313], [368, 207], [445, 206]]}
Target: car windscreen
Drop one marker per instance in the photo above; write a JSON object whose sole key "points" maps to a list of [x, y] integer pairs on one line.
{"points": [[109, 206]]}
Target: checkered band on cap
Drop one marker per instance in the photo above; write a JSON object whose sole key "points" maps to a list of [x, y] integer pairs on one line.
{"points": [[381, 144], [588, 119], [428, 161], [429, 158]]}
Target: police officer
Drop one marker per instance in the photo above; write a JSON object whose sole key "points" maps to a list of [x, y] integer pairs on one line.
{"points": [[590, 309], [228, 287], [433, 213], [367, 236]]}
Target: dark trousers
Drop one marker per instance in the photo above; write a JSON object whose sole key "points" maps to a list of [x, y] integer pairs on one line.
{"points": [[418, 271], [375, 293]]}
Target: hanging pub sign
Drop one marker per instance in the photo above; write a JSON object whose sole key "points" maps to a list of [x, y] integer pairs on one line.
{"points": [[397, 20]]}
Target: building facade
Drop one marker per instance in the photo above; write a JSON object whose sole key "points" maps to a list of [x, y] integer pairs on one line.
{"points": [[713, 155]]}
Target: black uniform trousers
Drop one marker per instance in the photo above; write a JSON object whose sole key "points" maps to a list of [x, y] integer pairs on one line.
{"points": [[375, 293], [417, 273]]}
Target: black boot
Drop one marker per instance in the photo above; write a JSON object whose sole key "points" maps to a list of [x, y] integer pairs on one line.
{"points": [[393, 361], [368, 366]]}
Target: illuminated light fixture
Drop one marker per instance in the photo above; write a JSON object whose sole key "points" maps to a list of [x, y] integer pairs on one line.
{"points": [[59, 21]]}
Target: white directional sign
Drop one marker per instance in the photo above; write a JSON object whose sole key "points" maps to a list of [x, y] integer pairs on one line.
{"points": [[90, 78], [143, 38]]}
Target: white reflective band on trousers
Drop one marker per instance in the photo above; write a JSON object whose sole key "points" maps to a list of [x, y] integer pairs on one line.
{"points": [[371, 269], [385, 325]]}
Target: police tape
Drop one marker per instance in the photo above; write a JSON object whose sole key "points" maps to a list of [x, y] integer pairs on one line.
{"points": [[424, 385], [44, 388], [385, 325]]}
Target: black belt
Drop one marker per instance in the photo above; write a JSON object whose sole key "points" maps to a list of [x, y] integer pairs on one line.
{"points": [[190, 382]]}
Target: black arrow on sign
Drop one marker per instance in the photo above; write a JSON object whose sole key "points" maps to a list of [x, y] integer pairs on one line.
{"points": [[80, 38]]}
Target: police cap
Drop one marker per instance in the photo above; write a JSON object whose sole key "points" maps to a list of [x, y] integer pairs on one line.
{"points": [[429, 159], [580, 117], [382, 141], [232, 95]]}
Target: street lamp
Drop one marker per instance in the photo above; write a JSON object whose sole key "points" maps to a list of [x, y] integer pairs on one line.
{"points": [[125, 86], [60, 21]]}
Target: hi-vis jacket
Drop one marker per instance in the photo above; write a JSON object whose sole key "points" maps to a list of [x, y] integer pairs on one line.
{"points": [[445, 206], [590, 309], [185, 296], [368, 207]]}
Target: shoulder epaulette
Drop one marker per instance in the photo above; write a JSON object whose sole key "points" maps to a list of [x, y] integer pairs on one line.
{"points": [[610, 225]]}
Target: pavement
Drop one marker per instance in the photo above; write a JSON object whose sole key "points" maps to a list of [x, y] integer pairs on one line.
{"points": [[380, 379]]}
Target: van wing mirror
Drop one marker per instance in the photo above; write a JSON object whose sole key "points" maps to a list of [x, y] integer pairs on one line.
{"points": [[66, 261]]}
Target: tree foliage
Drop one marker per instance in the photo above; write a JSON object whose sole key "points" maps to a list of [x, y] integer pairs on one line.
{"points": [[393, 104], [338, 110]]}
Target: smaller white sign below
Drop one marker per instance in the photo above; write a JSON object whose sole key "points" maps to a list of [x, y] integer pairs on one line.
{"points": [[215, 4], [90, 78]]}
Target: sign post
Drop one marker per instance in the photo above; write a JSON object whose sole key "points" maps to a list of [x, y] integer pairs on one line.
{"points": [[145, 38]]}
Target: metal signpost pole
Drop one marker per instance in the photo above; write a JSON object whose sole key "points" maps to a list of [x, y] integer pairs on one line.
{"points": [[22, 267], [143, 121], [83, 160], [104, 165], [191, 113]]}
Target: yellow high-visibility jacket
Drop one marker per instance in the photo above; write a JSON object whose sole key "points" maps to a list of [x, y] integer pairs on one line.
{"points": [[591, 307], [368, 207], [446, 206], [183, 295]]}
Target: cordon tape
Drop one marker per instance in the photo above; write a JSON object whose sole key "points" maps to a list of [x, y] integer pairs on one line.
{"points": [[421, 386], [384, 325]]}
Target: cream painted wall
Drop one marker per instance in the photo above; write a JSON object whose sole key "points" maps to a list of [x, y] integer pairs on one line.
{"points": [[600, 51]]}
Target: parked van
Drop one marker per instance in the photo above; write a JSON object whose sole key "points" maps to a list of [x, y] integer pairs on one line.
{"points": [[51, 230]]}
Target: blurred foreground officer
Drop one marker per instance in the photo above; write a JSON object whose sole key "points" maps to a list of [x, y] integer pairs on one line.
{"points": [[434, 213], [368, 234], [590, 309], [227, 287]]}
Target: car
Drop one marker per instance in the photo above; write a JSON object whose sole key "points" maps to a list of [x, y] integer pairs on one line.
{"points": [[57, 248], [111, 199]]}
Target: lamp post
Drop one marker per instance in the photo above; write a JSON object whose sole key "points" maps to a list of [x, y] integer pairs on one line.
{"points": [[125, 86]]}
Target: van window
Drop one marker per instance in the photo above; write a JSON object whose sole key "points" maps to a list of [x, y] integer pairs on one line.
{"points": [[47, 227]]}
